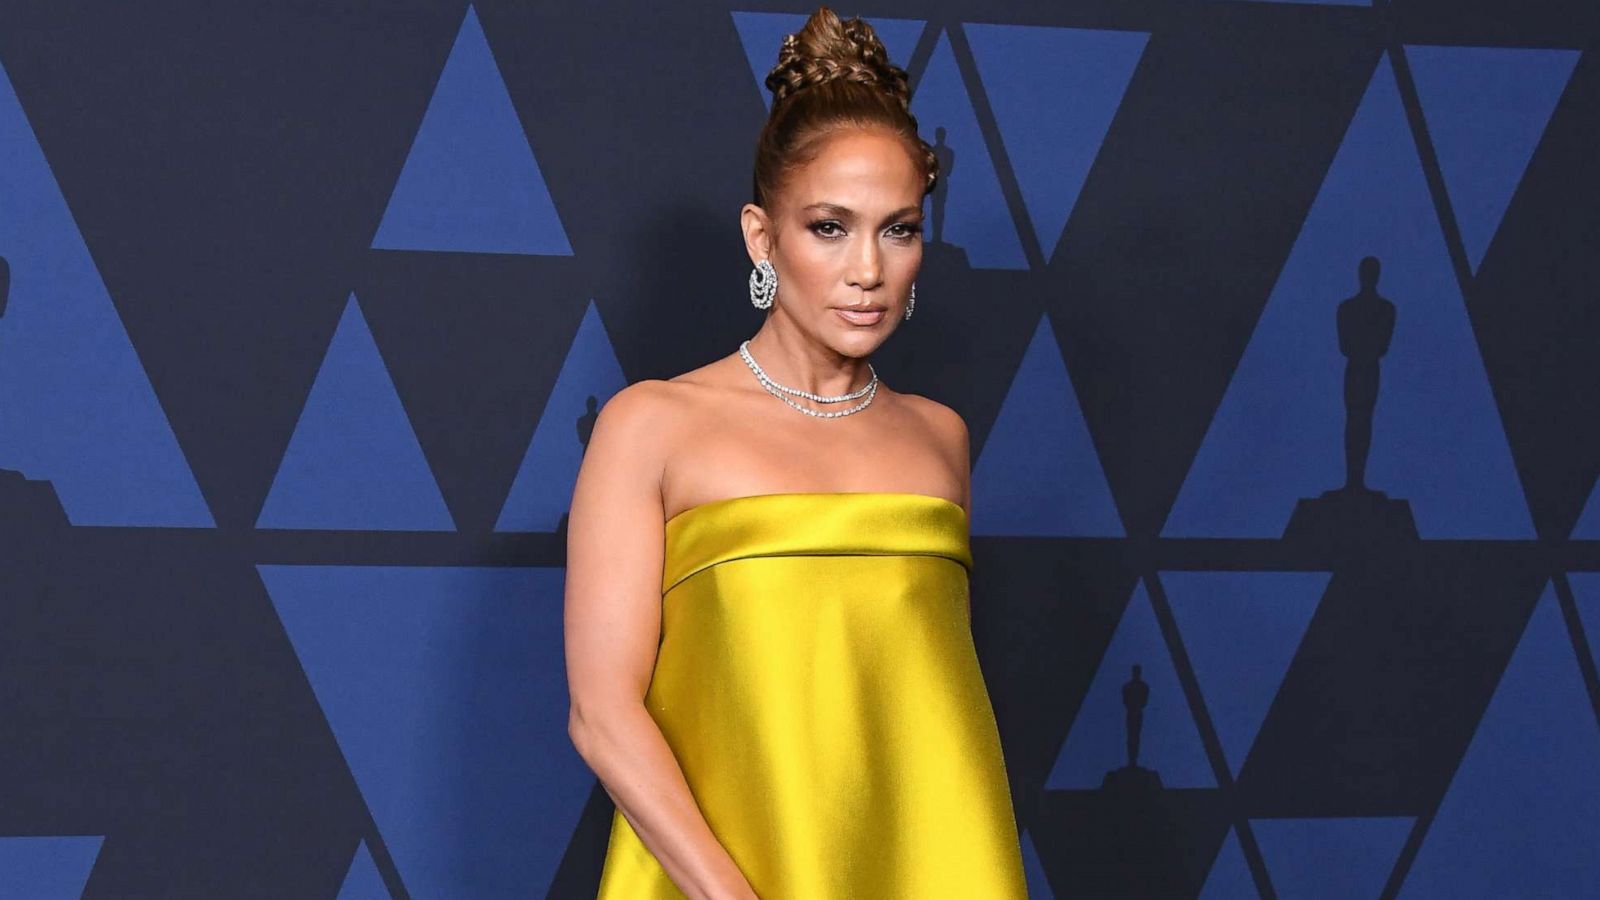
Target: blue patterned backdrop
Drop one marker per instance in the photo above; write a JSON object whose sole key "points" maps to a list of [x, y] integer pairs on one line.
{"points": [[309, 306]]}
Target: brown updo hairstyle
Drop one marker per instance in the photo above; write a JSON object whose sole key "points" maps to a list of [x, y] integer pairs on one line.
{"points": [[831, 76]]}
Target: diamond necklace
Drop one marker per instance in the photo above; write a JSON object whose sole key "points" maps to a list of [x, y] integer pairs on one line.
{"points": [[870, 390]]}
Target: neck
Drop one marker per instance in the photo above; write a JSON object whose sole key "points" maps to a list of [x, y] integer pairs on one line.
{"points": [[792, 360]]}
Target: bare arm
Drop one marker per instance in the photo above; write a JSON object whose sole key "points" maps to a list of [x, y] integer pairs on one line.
{"points": [[956, 445], [615, 536], [963, 445]]}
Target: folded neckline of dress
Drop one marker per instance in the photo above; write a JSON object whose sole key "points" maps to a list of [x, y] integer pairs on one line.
{"points": [[814, 523]]}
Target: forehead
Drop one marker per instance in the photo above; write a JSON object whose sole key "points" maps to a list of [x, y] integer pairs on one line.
{"points": [[861, 169]]}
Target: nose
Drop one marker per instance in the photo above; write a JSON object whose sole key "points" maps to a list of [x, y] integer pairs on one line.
{"points": [[868, 262]]}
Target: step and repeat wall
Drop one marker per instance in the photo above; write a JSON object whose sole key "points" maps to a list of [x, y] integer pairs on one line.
{"points": [[1274, 325]]}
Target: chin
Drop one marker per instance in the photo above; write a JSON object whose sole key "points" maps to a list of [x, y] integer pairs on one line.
{"points": [[861, 343]]}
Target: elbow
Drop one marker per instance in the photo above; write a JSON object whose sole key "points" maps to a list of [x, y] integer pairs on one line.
{"points": [[585, 729], [578, 731], [601, 717]]}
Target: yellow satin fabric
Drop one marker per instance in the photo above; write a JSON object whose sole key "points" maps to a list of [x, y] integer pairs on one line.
{"points": [[818, 684]]}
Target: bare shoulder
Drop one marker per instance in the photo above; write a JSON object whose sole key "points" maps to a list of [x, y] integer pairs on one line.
{"points": [[630, 431], [640, 403], [629, 411], [948, 431], [942, 420]]}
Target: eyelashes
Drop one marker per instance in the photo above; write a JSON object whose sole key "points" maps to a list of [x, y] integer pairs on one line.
{"points": [[909, 232]]}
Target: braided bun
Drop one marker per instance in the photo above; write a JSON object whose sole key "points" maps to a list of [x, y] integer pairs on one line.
{"points": [[833, 74], [827, 49]]}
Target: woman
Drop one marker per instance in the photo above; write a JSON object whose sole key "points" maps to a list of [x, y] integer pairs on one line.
{"points": [[767, 609]]}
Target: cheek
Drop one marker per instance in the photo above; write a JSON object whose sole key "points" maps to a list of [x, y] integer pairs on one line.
{"points": [[814, 264], [906, 263]]}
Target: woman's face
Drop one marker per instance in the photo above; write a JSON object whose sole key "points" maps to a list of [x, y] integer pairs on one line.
{"points": [[849, 237]]}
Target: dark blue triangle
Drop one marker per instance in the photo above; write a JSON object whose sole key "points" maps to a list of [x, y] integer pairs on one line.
{"points": [[1522, 811], [76, 407], [762, 34], [1039, 473], [363, 880], [471, 182], [445, 690], [542, 491], [353, 461], [1437, 439], [1241, 631], [1229, 878], [1335, 859], [1054, 92], [1486, 108], [1169, 742], [47, 868]]}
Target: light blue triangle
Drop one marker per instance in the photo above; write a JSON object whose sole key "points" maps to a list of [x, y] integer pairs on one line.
{"points": [[1039, 473], [762, 33], [353, 461], [1437, 439], [1229, 878], [76, 407], [1033, 869], [471, 182], [979, 221], [1336, 859], [1586, 594], [542, 491], [1241, 631], [1520, 816], [47, 867], [445, 690], [363, 881], [1054, 92], [1588, 524], [1486, 108], [1169, 741]]}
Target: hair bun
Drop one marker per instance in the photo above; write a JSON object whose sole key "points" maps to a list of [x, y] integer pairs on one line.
{"points": [[826, 49], [832, 75]]}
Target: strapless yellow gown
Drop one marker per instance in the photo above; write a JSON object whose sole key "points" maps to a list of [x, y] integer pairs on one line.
{"points": [[818, 684]]}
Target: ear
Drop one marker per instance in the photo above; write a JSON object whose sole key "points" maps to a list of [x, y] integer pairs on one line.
{"points": [[758, 232]]}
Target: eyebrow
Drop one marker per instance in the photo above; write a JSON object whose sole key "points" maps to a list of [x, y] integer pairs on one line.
{"points": [[848, 213]]}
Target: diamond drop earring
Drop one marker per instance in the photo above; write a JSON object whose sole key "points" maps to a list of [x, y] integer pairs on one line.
{"points": [[911, 302], [763, 284]]}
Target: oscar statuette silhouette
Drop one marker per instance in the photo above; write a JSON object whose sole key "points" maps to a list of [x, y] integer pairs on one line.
{"points": [[1134, 777], [29, 510], [1355, 517]]}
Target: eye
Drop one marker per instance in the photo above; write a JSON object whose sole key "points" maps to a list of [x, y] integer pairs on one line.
{"points": [[826, 223], [911, 229]]}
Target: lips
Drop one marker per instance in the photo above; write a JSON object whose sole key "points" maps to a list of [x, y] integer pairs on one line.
{"points": [[864, 315]]}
